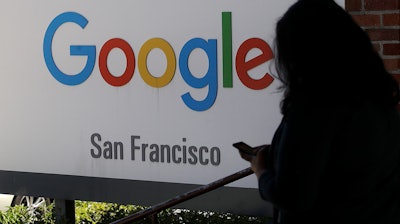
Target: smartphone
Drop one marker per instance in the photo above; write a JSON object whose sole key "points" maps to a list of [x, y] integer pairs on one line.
{"points": [[245, 149]]}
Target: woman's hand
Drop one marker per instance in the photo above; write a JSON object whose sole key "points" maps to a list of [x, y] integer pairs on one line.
{"points": [[258, 162]]}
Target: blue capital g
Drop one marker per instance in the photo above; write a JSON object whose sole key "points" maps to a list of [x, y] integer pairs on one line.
{"points": [[75, 50]]}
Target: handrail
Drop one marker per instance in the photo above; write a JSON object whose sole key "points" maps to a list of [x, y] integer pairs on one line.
{"points": [[186, 196]]}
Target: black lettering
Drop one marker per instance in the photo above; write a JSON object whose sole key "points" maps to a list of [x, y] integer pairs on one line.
{"points": [[160, 153], [184, 151], [167, 151], [107, 152], [133, 146], [205, 161], [192, 151], [174, 149], [154, 155], [120, 146], [144, 146], [97, 146], [215, 156]]}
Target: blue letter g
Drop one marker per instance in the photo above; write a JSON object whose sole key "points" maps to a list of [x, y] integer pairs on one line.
{"points": [[75, 50]]}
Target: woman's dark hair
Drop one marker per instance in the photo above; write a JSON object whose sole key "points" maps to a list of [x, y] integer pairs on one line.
{"points": [[324, 55]]}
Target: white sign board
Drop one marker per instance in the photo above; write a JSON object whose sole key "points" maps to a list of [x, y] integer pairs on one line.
{"points": [[136, 90]]}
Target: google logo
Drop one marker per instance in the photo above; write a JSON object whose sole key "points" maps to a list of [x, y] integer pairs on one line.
{"points": [[210, 79]]}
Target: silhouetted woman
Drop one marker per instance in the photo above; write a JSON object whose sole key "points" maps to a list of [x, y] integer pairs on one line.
{"points": [[336, 154]]}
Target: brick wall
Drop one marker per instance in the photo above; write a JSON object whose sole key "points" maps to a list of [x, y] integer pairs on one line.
{"points": [[381, 20]]}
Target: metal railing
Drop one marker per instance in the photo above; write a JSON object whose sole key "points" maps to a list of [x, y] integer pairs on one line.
{"points": [[151, 211]]}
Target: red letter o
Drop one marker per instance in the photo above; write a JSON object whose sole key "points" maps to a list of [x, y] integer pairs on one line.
{"points": [[130, 62]]}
